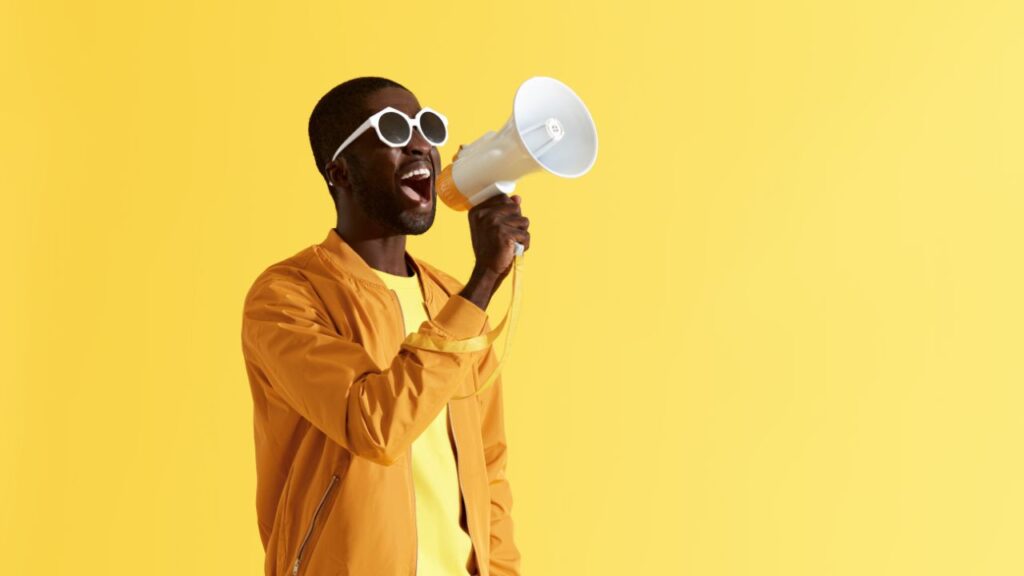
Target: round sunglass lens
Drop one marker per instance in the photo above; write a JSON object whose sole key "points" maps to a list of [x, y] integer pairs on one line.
{"points": [[432, 127], [394, 127]]}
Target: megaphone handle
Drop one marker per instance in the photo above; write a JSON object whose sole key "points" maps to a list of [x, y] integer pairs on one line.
{"points": [[493, 189]]}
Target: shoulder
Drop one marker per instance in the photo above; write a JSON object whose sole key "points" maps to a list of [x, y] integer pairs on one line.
{"points": [[290, 273]]}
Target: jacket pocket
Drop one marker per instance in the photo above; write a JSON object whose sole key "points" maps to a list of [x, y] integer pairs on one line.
{"points": [[301, 554]]}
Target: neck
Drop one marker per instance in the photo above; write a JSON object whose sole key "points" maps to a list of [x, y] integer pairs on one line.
{"points": [[381, 252]]}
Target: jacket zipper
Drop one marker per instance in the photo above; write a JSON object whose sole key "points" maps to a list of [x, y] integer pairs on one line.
{"points": [[412, 481], [312, 523]]}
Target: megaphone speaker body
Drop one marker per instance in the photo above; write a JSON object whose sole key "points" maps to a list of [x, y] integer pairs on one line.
{"points": [[550, 129]]}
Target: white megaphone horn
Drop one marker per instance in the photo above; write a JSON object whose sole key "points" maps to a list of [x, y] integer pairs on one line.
{"points": [[550, 129]]}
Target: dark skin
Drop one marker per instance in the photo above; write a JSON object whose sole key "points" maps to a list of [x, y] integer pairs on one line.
{"points": [[375, 215]]}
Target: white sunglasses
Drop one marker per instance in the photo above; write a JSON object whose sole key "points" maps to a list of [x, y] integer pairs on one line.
{"points": [[394, 128]]}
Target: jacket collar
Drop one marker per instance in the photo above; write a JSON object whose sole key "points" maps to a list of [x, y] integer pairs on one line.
{"points": [[349, 262]]}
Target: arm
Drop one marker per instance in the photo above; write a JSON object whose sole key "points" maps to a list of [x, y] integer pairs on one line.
{"points": [[504, 556], [334, 383]]}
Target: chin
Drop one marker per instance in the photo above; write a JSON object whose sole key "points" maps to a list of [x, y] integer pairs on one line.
{"points": [[416, 224], [417, 228]]}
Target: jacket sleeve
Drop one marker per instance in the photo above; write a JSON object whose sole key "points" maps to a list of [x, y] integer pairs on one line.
{"points": [[504, 554], [333, 382]]}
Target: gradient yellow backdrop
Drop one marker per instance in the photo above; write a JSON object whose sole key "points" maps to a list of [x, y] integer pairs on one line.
{"points": [[775, 331]]}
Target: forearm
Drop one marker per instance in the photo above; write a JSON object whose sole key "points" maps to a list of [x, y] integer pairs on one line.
{"points": [[481, 286]]}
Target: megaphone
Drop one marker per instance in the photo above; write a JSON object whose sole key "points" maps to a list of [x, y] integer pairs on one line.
{"points": [[550, 128]]}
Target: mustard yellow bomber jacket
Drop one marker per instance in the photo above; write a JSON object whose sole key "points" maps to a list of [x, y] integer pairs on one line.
{"points": [[338, 400]]}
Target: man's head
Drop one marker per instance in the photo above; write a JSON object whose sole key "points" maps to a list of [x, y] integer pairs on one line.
{"points": [[364, 180]]}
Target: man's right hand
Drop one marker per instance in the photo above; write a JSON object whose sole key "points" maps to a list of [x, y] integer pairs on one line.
{"points": [[495, 226]]}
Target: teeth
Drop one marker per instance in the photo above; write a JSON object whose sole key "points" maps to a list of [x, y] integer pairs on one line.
{"points": [[418, 174]]}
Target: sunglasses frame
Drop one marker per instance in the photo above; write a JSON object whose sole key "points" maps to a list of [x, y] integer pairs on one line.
{"points": [[414, 123]]}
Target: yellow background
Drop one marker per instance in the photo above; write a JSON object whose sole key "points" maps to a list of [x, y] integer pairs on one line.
{"points": [[776, 330]]}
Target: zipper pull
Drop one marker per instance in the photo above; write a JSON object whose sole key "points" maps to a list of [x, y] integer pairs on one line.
{"points": [[295, 567]]}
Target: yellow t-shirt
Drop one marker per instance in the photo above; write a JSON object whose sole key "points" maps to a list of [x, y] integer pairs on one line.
{"points": [[443, 547]]}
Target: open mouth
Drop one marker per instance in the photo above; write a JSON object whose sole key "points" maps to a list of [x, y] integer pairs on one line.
{"points": [[416, 184]]}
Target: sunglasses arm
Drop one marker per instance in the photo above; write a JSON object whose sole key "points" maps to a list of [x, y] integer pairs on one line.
{"points": [[358, 131]]}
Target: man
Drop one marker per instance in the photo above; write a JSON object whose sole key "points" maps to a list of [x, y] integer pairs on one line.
{"points": [[368, 462]]}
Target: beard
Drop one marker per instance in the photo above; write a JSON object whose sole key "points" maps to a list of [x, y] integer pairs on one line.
{"points": [[387, 209]]}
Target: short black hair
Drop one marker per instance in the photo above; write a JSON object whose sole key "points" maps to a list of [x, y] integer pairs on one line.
{"points": [[338, 113]]}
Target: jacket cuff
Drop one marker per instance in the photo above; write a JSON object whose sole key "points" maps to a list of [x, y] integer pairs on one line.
{"points": [[460, 318]]}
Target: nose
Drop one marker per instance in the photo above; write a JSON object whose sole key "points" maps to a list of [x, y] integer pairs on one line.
{"points": [[418, 145]]}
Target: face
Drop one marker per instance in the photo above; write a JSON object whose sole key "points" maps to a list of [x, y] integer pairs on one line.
{"points": [[369, 173]]}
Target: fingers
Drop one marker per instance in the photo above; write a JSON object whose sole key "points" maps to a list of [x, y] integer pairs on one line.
{"points": [[515, 224], [502, 214], [498, 208], [506, 205], [521, 222], [510, 219], [512, 235]]}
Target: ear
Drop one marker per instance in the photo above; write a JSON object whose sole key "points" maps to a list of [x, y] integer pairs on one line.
{"points": [[337, 174]]}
